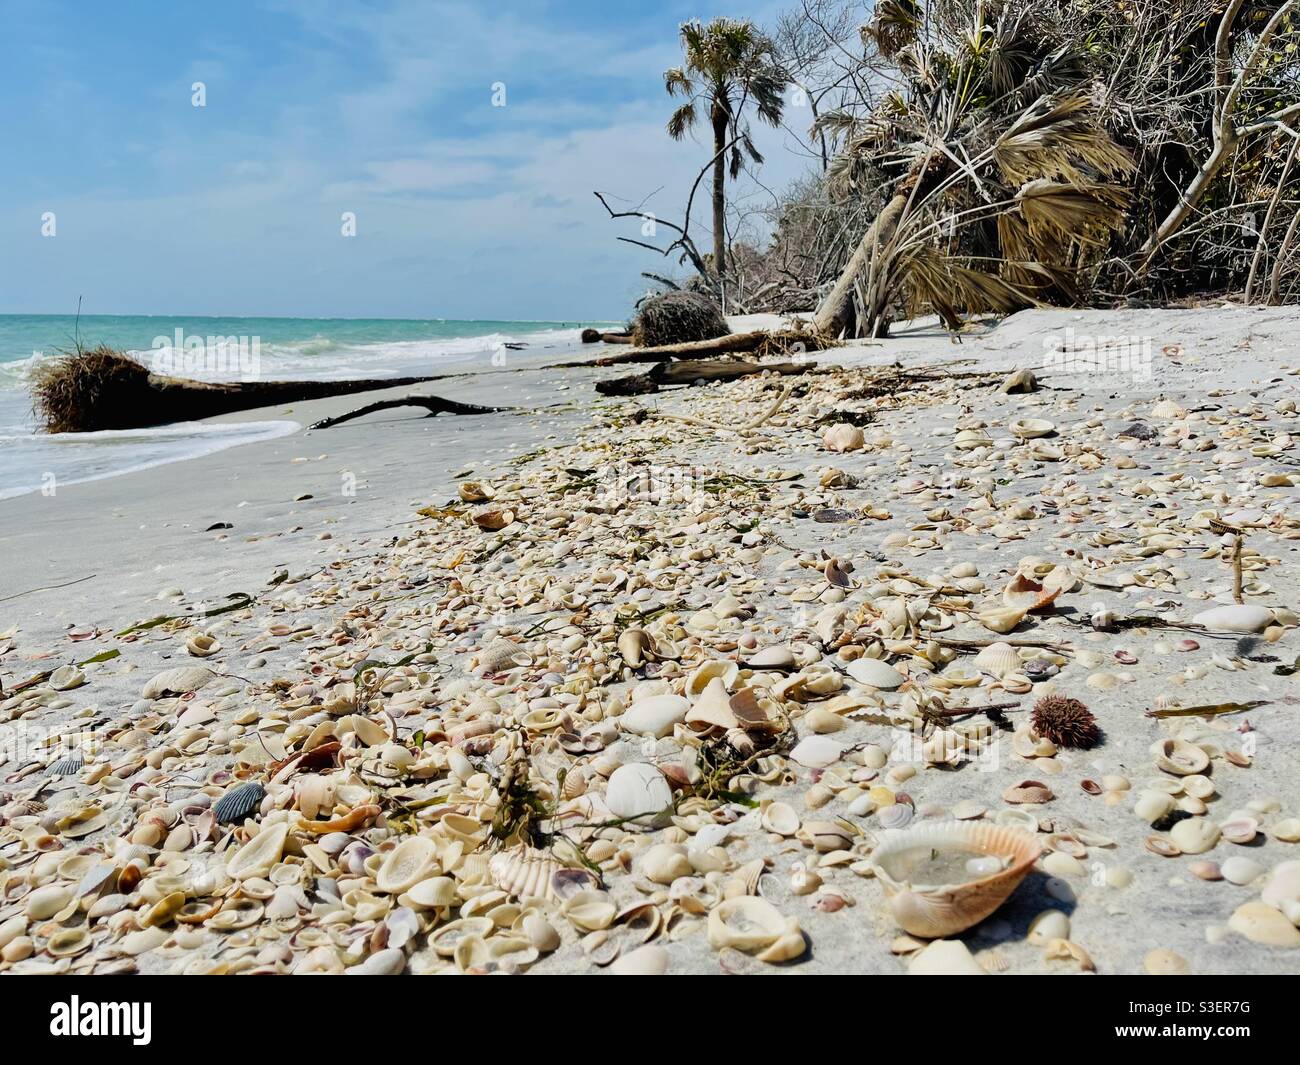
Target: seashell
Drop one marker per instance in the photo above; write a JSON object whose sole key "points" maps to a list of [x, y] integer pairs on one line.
{"points": [[1048, 925], [750, 874], [777, 656], [655, 715], [406, 865], [67, 767], [1180, 757], [1260, 923], [633, 646], [1019, 382], [825, 836], [748, 924], [997, 659], [541, 933], [1028, 791], [44, 902], [1195, 835], [665, 862], [1163, 847], [201, 645], [713, 707], [238, 802], [843, 437], [817, 752], [649, 960], [970, 439], [475, 492], [493, 519], [65, 678], [589, 911], [704, 674], [780, 818], [1014, 818], [525, 872], [1025, 593], [1206, 870], [1287, 830], [1031, 428], [945, 957], [1236, 618], [637, 791], [933, 909], [68, 942], [895, 816], [876, 674], [1151, 806], [1001, 618], [1240, 830], [1241, 871], [432, 893], [258, 855], [575, 784], [177, 681], [502, 655]]}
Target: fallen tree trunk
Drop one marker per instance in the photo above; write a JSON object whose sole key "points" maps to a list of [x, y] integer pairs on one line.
{"points": [[435, 405], [691, 372], [732, 343], [99, 389]]}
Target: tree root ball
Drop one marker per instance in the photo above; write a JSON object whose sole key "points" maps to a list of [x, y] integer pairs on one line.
{"points": [[677, 318]]}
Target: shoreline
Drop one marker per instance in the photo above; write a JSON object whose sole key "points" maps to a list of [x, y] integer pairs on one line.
{"points": [[142, 535]]}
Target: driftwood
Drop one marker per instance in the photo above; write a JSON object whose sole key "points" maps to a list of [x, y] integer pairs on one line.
{"points": [[101, 389], [435, 405], [731, 344], [689, 372]]}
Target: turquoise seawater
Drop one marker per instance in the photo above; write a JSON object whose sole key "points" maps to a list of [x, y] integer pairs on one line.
{"points": [[231, 348]]}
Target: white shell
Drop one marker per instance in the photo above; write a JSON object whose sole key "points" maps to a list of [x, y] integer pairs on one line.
{"points": [[406, 865], [1235, 618], [998, 659], [817, 752], [875, 674], [637, 789], [259, 854], [654, 715]]}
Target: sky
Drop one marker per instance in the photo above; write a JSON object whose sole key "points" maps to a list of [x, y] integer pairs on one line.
{"points": [[380, 109]]}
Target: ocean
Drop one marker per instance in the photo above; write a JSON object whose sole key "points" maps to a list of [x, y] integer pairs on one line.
{"points": [[228, 348]]}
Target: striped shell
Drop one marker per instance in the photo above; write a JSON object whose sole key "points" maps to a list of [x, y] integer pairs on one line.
{"points": [[525, 872], [237, 803], [940, 910], [501, 655], [67, 767]]}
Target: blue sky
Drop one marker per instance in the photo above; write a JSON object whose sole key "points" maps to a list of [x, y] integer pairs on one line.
{"points": [[383, 109]]}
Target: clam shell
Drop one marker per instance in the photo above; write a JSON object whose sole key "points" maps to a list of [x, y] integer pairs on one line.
{"points": [[781, 818], [933, 911], [237, 803], [746, 923], [637, 790], [502, 655], [1028, 791], [1031, 428], [876, 674], [1180, 757], [525, 872], [258, 855], [406, 865]]}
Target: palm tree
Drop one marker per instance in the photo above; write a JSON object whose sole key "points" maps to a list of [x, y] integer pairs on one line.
{"points": [[729, 64]]}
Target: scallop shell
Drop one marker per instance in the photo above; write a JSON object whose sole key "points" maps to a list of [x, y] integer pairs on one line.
{"points": [[1028, 791], [502, 655], [895, 816], [998, 659], [933, 911], [67, 767], [525, 872], [237, 803]]}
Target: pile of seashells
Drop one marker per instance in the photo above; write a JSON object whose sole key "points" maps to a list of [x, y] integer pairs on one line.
{"points": [[653, 700]]}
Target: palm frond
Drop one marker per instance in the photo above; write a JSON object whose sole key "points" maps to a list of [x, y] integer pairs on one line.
{"points": [[1058, 139], [1056, 212]]}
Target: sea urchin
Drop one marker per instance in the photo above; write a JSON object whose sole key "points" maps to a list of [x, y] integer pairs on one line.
{"points": [[1066, 722]]}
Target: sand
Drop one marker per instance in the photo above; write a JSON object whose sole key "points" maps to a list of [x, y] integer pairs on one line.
{"points": [[127, 539]]}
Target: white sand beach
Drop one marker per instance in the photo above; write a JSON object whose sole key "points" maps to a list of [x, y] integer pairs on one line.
{"points": [[728, 516]]}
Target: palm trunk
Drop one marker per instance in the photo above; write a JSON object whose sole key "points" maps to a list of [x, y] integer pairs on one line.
{"points": [[719, 192]]}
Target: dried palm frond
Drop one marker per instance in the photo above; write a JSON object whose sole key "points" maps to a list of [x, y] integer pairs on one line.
{"points": [[1059, 140], [1057, 212], [941, 283]]}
